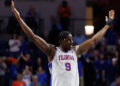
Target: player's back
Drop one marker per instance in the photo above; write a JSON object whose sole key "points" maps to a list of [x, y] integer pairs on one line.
{"points": [[64, 68]]}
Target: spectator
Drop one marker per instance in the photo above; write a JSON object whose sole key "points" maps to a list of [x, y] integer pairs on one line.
{"points": [[108, 67], [42, 76], [89, 54], [14, 46], [31, 18], [79, 38], [53, 35], [54, 22], [64, 15], [113, 70], [117, 56], [38, 63], [13, 25], [27, 75], [103, 50], [111, 36], [89, 73], [118, 43], [116, 82], [80, 69], [35, 81], [103, 41], [11, 73], [19, 81], [23, 47], [24, 60], [99, 66], [96, 55], [2, 72]]}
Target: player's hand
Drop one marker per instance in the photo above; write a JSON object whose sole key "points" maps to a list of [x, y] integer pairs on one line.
{"points": [[111, 15], [14, 10]]}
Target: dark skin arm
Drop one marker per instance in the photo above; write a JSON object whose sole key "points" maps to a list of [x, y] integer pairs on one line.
{"points": [[48, 49], [89, 43]]}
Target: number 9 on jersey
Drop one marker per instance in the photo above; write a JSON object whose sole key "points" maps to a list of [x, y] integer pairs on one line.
{"points": [[67, 66]]}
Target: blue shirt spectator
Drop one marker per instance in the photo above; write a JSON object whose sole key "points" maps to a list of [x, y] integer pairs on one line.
{"points": [[80, 68], [111, 36], [42, 76], [79, 38], [54, 22], [35, 81], [100, 66], [23, 47]]}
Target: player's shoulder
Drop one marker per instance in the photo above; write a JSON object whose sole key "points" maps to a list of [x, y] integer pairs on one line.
{"points": [[74, 48], [52, 52], [52, 46]]}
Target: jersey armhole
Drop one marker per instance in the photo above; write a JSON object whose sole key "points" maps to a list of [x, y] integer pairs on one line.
{"points": [[53, 55]]}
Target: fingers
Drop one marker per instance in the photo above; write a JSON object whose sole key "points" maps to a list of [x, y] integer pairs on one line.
{"points": [[112, 11], [106, 18], [111, 14]]}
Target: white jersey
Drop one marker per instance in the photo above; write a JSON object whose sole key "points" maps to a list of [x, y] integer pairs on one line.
{"points": [[64, 69], [27, 79]]}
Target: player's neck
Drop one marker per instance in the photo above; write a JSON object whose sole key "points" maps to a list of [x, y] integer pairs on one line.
{"points": [[64, 49]]}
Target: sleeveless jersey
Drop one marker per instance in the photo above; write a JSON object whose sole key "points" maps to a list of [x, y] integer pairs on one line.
{"points": [[64, 68]]}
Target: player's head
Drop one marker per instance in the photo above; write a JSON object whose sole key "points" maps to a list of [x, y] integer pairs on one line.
{"points": [[65, 39]]}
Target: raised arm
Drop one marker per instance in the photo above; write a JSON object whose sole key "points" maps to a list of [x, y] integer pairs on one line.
{"points": [[89, 43], [42, 44]]}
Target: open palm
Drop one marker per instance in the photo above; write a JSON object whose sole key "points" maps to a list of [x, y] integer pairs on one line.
{"points": [[111, 15]]}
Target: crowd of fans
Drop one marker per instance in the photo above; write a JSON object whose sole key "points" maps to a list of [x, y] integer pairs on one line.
{"points": [[21, 61], [100, 65], [23, 64]]}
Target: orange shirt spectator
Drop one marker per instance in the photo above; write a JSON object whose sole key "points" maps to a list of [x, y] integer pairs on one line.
{"points": [[64, 10], [17, 83], [64, 15]]}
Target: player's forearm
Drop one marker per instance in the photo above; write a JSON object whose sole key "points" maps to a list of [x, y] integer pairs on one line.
{"points": [[100, 34], [26, 29]]}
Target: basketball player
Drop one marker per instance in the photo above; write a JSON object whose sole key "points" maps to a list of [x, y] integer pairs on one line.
{"points": [[63, 59]]}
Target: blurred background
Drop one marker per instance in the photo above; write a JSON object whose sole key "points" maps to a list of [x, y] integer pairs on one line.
{"points": [[22, 61]]}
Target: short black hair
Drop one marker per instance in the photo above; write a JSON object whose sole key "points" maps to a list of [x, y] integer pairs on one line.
{"points": [[63, 35]]}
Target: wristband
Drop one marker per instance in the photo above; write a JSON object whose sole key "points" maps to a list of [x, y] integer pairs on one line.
{"points": [[109, 21]]}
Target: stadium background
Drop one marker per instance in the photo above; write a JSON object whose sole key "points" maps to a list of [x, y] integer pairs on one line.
{"points": [[99, 66]]}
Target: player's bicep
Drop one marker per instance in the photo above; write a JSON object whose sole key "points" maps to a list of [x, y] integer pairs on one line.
{"points": [[42, 44], [84, 46]]}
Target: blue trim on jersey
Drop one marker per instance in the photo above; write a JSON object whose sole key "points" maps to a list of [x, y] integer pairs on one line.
{"points": [[50, 65], [50, 68]]}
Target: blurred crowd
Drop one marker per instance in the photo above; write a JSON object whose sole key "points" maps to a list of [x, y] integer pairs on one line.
{"points": [[23, 64], [22, 61]]}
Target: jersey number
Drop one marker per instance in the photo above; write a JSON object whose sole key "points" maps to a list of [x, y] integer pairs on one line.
{"points": [[67, 66]]}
